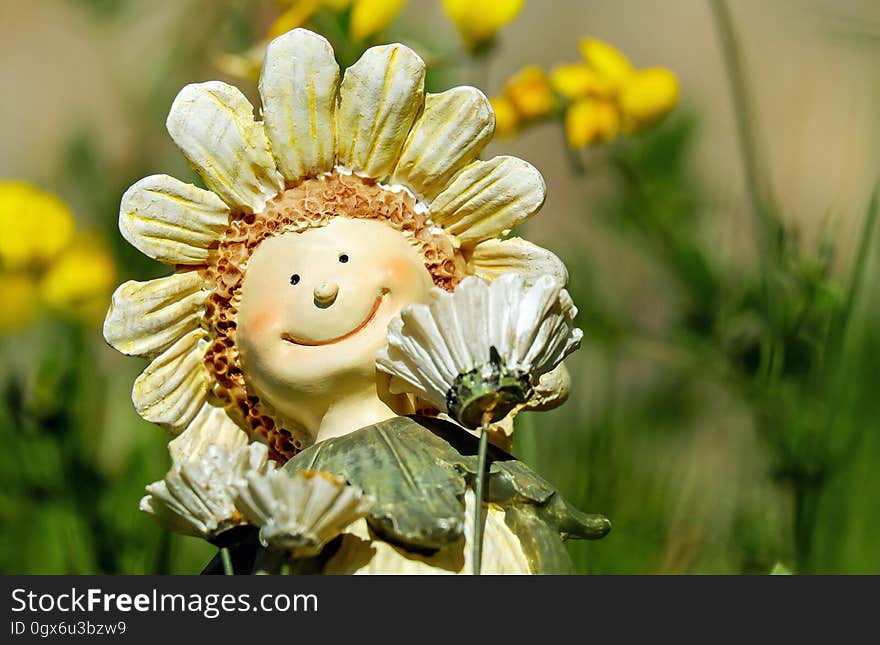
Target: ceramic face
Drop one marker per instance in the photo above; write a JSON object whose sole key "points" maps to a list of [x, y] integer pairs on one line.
{"points": [[315, 308]]}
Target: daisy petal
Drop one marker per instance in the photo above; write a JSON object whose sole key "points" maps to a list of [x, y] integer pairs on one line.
{"points": [[146, 317], [454, 127], [494, 257], [171, 221], [211, 426], [173, 387], [488, 198], [380, 97], [298, 89], [213, 124]]}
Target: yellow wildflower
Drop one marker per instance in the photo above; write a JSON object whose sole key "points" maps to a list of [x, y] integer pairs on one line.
{"points": [[529, 92], [80, 280], [610, 64], [610, 95], [478, 21], [34, 225], [370, 17], [506, 119], [648, 96], [590, 120], [18, 300]]}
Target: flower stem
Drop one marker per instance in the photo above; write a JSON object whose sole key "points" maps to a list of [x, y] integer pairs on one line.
{"points": [[227, 562], [478, 502]]}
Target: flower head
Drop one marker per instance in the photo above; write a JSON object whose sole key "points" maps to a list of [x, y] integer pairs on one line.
{"points": [[300, 512], [196, 496], [478, 21], [373, 146], [478, 353]]}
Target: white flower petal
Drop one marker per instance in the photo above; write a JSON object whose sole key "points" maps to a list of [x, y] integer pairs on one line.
{"points": [[380, 97], [211, 426], [213, 124], [171, 221], [494, 257], [488, 198], [298, 88], [172, 389], [146, 317], [530, 325], [450, 133]]}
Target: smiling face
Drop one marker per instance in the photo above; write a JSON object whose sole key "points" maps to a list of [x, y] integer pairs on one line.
{"points": [[315, 308]]}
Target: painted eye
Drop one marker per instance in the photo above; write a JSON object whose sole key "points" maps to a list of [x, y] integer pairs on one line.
{"points": [[343, 258], [294, 279]]}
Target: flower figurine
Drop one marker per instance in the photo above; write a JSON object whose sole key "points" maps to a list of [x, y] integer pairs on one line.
{"points": [[302, 512], [196, 496], [353, 197], [479, 352]]}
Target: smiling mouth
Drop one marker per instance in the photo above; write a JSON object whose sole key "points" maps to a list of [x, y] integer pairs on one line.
{"points": [[314, 343]]}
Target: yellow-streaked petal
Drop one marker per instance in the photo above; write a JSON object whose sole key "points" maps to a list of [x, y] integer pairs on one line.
{"points": [[493, 257], [370, 17], [171, 221], [145, 318], [450, 133], [649, 95], [35, 225], [296, 16], [589, 120], [18, 301], [529, 92], [577, 81], [211, 425], [488, 198], [609, 63], [478, 21], [213, 124], [79, 279], [298, 88], [172, 389], [380, 97], [506, 119]]}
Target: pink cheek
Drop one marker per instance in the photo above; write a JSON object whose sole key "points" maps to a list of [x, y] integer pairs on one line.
{"points": [[262, 321], [401, 275]]}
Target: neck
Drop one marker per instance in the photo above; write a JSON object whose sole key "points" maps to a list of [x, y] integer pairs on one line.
{"points": [[352, 412]]}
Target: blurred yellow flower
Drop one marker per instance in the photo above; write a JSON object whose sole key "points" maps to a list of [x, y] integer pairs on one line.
{"points": [[80, 280], [41, 259], [18, 301], [649, 95], [611, 65], [368, 17], [478, 21], [589, 120], [609, 95], [34, 225], [529, 93], [506, 119]]}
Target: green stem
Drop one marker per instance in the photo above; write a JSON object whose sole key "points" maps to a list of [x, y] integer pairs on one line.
{"points": [[478, 502], [227, 562], [286, 569], [758, 190]]}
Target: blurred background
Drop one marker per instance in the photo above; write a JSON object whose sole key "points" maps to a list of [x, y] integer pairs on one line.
{"points": [[716, 217]]}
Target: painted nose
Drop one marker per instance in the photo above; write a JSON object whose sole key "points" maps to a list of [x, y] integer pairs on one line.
{"points": [[325, 294]]}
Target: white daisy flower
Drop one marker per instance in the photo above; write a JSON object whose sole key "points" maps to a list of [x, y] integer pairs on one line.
{"points": [[373, 145], [482, 349], [300, 513], [196, 496]]}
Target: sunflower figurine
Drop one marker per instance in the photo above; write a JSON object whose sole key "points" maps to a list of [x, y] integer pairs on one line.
{"points": [[331, 235]]}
